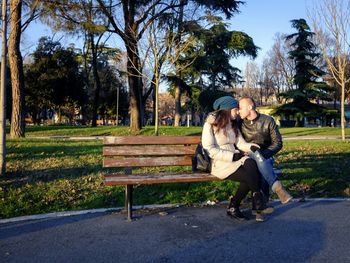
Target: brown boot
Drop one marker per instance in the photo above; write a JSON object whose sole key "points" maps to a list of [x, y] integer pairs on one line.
{"points": [[259, 217], [282, 194]]}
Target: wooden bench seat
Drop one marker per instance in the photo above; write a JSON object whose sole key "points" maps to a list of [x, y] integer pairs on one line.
{"points": [[162, 152], [158, 178]]}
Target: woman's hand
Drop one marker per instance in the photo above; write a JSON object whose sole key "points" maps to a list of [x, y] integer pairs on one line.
{"points": [[238, 155], [254, 147]]}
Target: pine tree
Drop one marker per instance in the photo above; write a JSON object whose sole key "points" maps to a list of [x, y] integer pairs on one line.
{"points": [[308, 87]]}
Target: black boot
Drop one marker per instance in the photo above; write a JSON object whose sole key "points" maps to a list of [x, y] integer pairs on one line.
{"points": [[267, 209], [259, 204], [234, 212]]}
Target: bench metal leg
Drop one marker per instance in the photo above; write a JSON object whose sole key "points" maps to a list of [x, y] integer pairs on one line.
{"points": [[128, 201]]}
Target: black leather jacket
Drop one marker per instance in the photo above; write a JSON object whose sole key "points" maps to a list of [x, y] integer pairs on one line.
{"points": [[264, 132]]}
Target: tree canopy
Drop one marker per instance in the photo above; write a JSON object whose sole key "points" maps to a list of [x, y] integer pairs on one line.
{"points": [[54, 78]]}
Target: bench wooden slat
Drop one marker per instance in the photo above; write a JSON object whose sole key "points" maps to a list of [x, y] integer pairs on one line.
{"points": [[148, 161], [159, 178], [148, 150], [137, 140]]}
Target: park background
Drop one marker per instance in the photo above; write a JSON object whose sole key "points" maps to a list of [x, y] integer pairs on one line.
{"points": [[100, 71]]}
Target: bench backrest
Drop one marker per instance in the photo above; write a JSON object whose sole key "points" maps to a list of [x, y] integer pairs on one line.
{"points": [[149, 151]]}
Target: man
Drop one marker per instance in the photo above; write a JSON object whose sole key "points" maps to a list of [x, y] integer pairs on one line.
{"points": [[262, 130]]}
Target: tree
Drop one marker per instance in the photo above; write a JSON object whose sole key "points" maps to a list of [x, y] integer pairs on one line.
{"points": [[211, 68], [113, 94], [280, 67], [252, 77], [267, 87], [112, 89], [3, 88], [306, 78], [210, 8], [219, 45], [82, 17], [53, 80], [16, 69], [137, 16], [17, 25], [331, 19]]}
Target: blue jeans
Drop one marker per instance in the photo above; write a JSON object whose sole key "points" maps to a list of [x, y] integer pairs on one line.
{"points": [[265, 167]]}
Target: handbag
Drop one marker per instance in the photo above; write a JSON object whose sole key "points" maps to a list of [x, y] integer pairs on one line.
{"points": [[201, 162]]}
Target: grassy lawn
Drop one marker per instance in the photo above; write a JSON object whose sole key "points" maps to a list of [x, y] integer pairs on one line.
{"points": [[106, 131], [47, 175], [324, 131], [58, 130]]}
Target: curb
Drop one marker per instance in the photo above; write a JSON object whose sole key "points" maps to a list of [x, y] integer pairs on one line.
{"points": [[80, 212], [119, 209]]}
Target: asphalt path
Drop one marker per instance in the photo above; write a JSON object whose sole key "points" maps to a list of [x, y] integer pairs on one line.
{"points": [[311, 231]]}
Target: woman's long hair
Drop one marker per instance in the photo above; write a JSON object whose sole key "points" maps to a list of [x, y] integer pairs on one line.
{"points": [[222, 118]]}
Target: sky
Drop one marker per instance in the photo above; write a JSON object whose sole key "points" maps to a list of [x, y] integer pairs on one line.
{"points": [[260, 19]]}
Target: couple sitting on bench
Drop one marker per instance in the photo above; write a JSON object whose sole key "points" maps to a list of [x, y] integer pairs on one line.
{"points": [[241, 150]]}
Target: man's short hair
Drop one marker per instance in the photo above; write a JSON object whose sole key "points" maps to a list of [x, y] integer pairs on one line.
{"points": [[250, 99]]}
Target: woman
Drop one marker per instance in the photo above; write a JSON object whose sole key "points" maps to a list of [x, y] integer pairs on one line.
{"points": [[228, 151]]}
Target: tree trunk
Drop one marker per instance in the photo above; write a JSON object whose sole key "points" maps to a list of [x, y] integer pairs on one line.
{"points": [[59, 115], [97, 82], [193, 115], [134, 68], [135, 87], [299, 122], [177, 121], [16, 69], [3, 88], [154, 107], [342, 111], [178, 71]]}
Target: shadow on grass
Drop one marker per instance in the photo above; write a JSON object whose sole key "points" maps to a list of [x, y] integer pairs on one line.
{"points": [[323, 175], [301, 132], [60, 149], [47, 175]]}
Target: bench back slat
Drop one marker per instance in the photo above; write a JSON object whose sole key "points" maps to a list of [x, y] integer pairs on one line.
{"points": [[148, 161], [144, 140], [148, 150]]}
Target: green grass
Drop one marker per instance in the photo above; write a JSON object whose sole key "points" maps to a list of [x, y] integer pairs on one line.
{"points": [[46, 175], [320, 168], [106, 131], [324, 131], [57, 130]]}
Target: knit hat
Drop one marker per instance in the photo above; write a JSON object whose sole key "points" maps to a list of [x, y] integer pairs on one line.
{"points": [[225, 103]]}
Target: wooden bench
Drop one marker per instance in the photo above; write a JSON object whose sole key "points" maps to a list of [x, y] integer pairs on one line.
{"points": [[131, 152]]}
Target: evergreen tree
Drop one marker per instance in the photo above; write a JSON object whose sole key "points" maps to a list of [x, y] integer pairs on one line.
{"points": [[308, 86], [219, 45], [210, 70], [53, 80]]}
